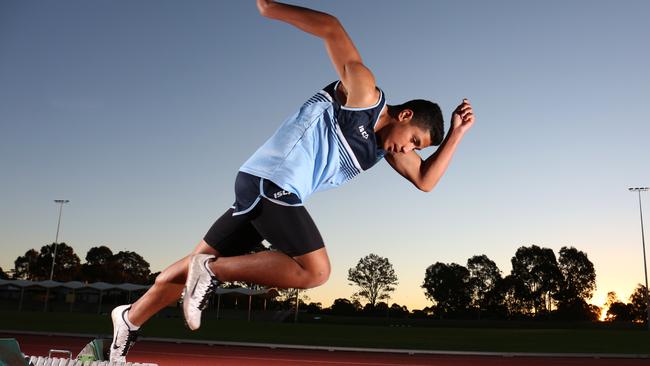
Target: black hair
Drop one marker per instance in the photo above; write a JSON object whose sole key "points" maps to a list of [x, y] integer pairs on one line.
{"points": [[426, 115]]}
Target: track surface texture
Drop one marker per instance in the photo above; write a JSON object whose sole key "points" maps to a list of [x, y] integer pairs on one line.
{"points": [[165, 354]]}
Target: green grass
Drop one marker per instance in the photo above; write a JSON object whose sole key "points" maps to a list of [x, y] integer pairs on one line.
{"points": [[439, 338]]}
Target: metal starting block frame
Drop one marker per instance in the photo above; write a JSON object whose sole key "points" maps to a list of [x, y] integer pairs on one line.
{"points": [[53, 361], [94, 354]]}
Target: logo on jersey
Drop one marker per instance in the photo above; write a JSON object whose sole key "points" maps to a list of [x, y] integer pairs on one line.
{"points": [[363, 132], [277, 195]]}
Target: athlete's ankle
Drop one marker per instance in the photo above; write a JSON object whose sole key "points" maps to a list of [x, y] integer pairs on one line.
{"points": [[127, 320], [209, 266], [214, 269]]}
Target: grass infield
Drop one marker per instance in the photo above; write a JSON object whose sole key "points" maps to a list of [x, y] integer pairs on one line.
{"points": [[630, 341]]}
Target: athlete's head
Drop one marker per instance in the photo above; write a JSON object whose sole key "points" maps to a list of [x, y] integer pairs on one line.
{"points": [[414, 125]]}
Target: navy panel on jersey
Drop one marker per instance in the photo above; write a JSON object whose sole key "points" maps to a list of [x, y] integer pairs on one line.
{"points": [[357, 126]]}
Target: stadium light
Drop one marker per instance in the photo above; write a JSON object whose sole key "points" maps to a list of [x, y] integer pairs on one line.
{"points": [[56, 241], [645, 266]]}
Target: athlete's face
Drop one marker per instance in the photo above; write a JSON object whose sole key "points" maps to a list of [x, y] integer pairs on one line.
{"points": [[405, 136]]}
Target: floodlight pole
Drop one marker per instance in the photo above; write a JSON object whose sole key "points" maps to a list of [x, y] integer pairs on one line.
{"points": [[56, 241], [645, 266]]}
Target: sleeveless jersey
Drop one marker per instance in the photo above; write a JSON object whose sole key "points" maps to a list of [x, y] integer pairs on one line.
{"points": [[321, 146]]}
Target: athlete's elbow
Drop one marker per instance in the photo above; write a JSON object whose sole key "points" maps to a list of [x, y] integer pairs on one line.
{"points": [[272, 10], [425, 186], [331, 27], [263, 7]]}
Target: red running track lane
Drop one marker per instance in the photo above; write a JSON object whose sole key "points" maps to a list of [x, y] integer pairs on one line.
{"points": [[170, 354]]}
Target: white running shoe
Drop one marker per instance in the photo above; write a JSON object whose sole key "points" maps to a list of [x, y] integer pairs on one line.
{"points": [[200, 284], [123, 336]]}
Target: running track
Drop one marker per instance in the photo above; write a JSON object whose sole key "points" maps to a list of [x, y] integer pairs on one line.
{"points": [[165, 354]]}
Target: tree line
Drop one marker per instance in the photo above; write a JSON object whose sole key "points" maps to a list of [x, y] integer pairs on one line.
{"points": [[101, 265], [539, 286]]}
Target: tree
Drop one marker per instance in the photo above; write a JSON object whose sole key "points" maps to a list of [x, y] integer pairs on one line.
{"points": [[129, 267], [25, 265], [578, 310], [398, 311], [287, 297], [538, 270], [98, 255], [484, 275], [447, 285], [611, 298], [375, 277], [96, 268], [578, 275], [576, 287], [152, 278], [619, 311], [67, 264], [596, 312], [379, 309], [639, 302], [513, 293], [343, 307], [3, 275], [314, 308], [419, 314]]}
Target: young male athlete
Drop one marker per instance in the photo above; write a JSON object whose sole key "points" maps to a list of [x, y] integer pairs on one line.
{"points": [[340, 131]]}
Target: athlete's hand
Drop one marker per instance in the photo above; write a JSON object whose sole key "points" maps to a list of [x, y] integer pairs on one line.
{"points": [[463, 117]]}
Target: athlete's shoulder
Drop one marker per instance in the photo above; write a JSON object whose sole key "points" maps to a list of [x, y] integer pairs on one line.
{"points": [[330, 90], [340, 97]]}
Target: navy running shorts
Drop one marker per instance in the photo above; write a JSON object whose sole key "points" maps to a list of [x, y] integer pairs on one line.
{"points": [[264, 211]]}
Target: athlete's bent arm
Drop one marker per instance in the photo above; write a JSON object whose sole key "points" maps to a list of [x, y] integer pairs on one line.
{"points": [[358, 81], [425, 174]]}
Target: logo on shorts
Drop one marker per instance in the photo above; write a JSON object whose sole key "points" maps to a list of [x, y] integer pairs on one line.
{"points": [[363, 132], [277, 195]]}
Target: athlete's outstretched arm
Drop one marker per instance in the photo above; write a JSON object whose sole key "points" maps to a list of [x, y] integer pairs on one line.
{"points": [[357, 79], [425, 174]]}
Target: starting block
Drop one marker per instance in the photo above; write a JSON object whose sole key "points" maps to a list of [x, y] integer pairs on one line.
{"points": [[94, 353], [10, 354]]}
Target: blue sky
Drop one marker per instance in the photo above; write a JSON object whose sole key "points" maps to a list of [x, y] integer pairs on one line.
{"points": [[140, 113]]}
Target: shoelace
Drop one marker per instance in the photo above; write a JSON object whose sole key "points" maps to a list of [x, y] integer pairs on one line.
{"points": [[214, 283], [130, 340]]}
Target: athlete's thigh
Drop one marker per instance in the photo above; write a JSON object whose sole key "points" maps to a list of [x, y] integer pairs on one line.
{"points": [[289, 229], [231, 235]]}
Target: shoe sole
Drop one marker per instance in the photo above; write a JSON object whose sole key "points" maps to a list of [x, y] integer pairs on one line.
{"points": [[113, 315], [186, 296]]}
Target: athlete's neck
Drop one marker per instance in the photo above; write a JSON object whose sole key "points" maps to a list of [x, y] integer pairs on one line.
{"points": [[383, 121]]}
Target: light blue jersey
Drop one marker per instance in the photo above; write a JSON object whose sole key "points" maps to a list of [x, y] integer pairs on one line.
{"points": [[321, 146]]}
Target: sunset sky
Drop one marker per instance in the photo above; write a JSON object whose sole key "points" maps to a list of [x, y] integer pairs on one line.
{"points": [[141, 112]]}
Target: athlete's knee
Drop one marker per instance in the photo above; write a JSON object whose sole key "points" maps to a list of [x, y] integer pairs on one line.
{"points": [[320, 278], [315, 268], [317, 276]]}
